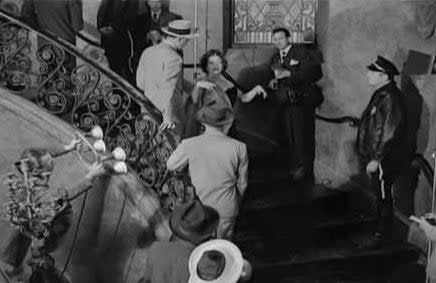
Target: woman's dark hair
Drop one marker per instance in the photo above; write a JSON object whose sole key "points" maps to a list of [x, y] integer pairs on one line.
{"points": [[212, 52], [284, 30]]}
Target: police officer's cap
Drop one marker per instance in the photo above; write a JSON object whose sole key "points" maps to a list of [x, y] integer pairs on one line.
{"points": [[383, 65]]}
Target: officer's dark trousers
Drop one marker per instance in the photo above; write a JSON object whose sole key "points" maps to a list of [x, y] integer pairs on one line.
{"points": [[383, 185], [299, 125]]}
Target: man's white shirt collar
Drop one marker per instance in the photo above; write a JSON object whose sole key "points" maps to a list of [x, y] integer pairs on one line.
{"points": [[170, 44], [284, 52], [213, 131], [157, 13]]}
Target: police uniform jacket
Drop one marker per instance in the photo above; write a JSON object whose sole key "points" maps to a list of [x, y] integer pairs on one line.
{"points": [[381, 133]]}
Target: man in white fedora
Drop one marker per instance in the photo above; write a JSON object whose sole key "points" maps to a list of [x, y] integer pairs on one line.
{"points": [[159, 72], [218, 261]]}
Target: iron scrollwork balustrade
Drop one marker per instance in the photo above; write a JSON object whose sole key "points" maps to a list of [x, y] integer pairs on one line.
{"points": [[53, 74]]}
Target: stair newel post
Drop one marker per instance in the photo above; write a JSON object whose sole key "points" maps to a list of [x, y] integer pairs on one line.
{"points": [[433, 198]]}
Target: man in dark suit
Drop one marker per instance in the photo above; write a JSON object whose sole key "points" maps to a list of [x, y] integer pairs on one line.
{"points": [[123, 35], [296, 70], [62, 18], [160, 17], [382, 141]]}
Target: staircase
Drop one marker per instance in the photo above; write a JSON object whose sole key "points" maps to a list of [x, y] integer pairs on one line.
{"points": [[290, 232], [294, 232]]}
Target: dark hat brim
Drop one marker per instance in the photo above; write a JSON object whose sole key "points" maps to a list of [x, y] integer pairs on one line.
{"points": [[391, 71], [191, 35], [202, 119], [372, 67], [196, 237]]}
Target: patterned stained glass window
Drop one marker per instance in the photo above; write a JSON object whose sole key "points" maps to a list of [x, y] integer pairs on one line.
{"points": [[254, 20]]}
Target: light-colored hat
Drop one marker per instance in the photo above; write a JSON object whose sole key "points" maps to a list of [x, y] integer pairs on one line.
{"points": [[179, 28], [219, 257]]}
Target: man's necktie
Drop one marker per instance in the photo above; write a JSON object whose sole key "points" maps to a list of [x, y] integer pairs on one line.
{"points": [[282, 57], [155, 18]]}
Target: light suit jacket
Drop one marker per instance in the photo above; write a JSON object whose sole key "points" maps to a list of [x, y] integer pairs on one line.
{"points": [[160, 76], [218, 166]]}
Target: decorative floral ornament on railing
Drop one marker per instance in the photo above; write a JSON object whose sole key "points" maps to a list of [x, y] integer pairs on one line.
{"points": [[34, 207], [56, 76]]}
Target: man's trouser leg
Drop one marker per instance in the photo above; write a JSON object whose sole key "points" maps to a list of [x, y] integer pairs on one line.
{"points": [[300, 146], [383, 187], [308, 125], [295, 160]]}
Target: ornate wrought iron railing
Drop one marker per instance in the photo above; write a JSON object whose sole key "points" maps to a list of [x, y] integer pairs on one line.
{"points": [[55, 75]]}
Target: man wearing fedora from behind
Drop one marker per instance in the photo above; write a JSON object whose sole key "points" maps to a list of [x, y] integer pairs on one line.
{"points": [[192, 224], [159, 72], [218, 165], [381, 140]]}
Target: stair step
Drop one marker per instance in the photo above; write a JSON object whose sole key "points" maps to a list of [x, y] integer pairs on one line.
{"points": [[270, 242], [346, 263], [283, 214], [264, 198]]}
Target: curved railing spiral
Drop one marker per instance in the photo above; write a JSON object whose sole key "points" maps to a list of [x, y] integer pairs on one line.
{"points": [[56, 76]]}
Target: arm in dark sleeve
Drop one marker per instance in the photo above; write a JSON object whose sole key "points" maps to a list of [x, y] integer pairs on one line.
{"points": [[76, 12], [102, 14], [309, 72], [387, 126], [272, 62], [129, 14], [28, 14]]}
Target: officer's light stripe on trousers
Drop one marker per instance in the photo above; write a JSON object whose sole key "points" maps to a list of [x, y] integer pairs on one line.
{"points": [[380, 177]]}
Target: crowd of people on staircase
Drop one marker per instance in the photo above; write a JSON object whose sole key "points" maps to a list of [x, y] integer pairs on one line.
{"points": [[205, 120], [218, 163]]}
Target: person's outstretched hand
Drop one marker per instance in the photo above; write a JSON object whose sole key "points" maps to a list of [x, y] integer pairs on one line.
{"points": [[259, 90], [205, 84], [72, 145], [372, 166], [167, 124], [95, 170], [106, 30]]}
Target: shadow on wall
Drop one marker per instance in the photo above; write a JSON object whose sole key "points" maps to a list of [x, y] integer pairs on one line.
{"points": [[418, 200], [416, 111]]}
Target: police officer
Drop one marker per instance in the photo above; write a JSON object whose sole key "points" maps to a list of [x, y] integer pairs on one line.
{"points": [[381, 140]]}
